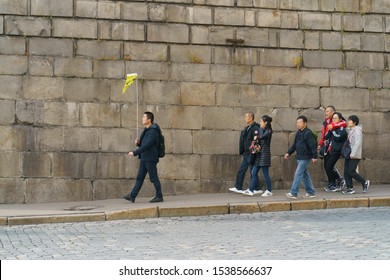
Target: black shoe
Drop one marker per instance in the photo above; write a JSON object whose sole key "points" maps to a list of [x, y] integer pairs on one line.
{"points": [[128, 197], [157, 199]]}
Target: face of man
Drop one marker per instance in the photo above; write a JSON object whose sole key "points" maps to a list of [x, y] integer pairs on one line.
{"points": [[248, 119], [145, 120], [328, 112], [301, 124]]}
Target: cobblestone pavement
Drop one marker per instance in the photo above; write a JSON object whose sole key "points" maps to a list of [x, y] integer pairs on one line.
{"points": [[359, 233]]}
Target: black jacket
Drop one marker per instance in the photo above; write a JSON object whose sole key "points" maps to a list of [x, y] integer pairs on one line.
{"points": [[304, 145], [148, 147], [336, 139], [264, 157], [246, 137]]}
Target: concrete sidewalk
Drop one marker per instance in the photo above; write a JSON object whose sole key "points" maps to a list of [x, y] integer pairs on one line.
{"points": [[186, 205]]}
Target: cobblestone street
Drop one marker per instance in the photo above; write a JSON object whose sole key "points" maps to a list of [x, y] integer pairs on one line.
{"points": [[359, 233]]}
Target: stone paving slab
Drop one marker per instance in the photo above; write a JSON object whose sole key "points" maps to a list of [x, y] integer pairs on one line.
{"points": [[185, 205]]}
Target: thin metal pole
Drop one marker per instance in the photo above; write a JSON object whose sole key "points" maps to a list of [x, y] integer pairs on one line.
{"points": [[136, 85]]}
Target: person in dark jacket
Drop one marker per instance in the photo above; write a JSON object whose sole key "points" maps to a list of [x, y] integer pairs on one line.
{"points": [[147, 152], [306, 148], [263, 158], [246, 137], [336, 138]]}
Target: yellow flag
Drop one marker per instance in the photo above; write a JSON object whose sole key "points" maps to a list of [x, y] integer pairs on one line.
{"points": [[129, 80]]}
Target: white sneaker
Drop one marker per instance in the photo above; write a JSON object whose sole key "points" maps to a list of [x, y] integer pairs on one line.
{"points": [[289, 195], [267, 193], [248, 192], [257, 191], [307, 195], [235, 190]]}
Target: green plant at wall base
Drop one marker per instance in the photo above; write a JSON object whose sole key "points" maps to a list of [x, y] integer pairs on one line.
{"points": [[297, 61], [194, 58]]}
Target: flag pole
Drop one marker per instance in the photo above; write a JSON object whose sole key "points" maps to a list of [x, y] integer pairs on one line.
{"points": [[136, 85]]}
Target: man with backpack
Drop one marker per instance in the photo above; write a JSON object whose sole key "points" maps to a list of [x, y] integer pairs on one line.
{"points": [[148, 151]]}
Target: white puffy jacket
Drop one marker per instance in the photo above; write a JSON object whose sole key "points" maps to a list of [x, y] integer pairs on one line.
{"points": [[355, 136]]}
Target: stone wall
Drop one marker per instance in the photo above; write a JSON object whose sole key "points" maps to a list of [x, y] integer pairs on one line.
{"points": [[66, 128]]}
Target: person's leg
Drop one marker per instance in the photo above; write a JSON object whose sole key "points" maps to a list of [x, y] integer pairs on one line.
{"points": [[302, 165], [257, 186], [152, 170], [347, 177], [352, 171], [254, 178], [241, 173], [139, 180], [265, 171], [307, 182], [331, 162]]}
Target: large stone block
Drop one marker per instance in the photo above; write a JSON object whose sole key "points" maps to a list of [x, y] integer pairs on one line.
{"points": [[145, 52], [149, 70], [351, 41], [60, 190], [162, 115], [373, 23], [87, 9], [265, 3], [369, 79], [219, 118], [316, 21], [305, 97], [265, 96], [190, 72], [231, 74], [186, 117], [45, 139], [43, 88], [253, 37], [61, 113], [101, 115], [81, 139], [108, 69], [13, 138], [322, 59], [51, 46], [197, 94], [331, 41], [380, 6], [186, 187], [74, 28], [182, 141], [208, 142], [284, 119], [117, 140], [245, 56], [223, 16], [41, 66], [380, 100], [36, 164], [12, 45], [173, 33], [342, 78], [154, 92], [157, 12], [353, 22], [288, 76], [373, 168], [218, 2], [30, 112], [27, 26], [74, 165], [99, 49], [176, 14], [228, 95], [348, 98], [179, 167], [51, 8], [293, 39], [127, 31], [13, 65], [115, 88], [108, 10], [199, 15], [15, 7], [190, 54], [87, 90], [116, 165], [110, 188], [220, 166], [373, 61], [10, 163], [312, 42], [290, 20], [199, 35], [73, 67], [135, 11], [274, 57], [279, 143], [373, 42], [7, 111], [268, 18], [11, 191]]}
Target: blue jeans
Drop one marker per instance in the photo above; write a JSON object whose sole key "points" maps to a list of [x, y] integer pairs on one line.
{"points": [[301, 174], [242, 171], [255, 178], [144, 168]]}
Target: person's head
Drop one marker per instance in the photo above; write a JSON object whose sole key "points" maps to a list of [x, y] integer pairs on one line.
{"points": [[301, 122], [265, 122], [147, 119], [353, 121], [329, 111], [249, 117], [337, 117]]}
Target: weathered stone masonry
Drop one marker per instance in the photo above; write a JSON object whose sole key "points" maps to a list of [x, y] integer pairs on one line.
{"points": [[65, 127]]}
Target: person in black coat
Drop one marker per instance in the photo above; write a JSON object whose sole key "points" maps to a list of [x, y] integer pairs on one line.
{"points": [[262, 158], [336, 138], [147, 152], [246, 138]]}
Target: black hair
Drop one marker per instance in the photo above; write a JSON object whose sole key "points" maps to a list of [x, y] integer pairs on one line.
{"points": [[339, 115], [354, 119], [331, 107], [251, 114], [303, 118], [268, 120], [149, 116]]}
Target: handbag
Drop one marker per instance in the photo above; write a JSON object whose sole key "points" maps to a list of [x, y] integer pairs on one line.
{"points": [[255, 147], [346, 149]]}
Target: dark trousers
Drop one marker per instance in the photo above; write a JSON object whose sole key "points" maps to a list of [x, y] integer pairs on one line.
{"points": [[350, 173], [245, 164], [144, 168], [330, 169], [335, 171]]}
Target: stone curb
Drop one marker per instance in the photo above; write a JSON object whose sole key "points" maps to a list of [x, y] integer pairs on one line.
{"points": [[233, 208]]}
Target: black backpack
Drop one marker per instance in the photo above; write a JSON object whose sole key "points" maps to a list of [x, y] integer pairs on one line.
{"points": [[161, 144]]}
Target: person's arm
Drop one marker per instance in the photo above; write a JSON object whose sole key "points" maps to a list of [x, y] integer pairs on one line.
{"points": [[312, 144], [292, 149], [340, 135], [147, 142]]}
